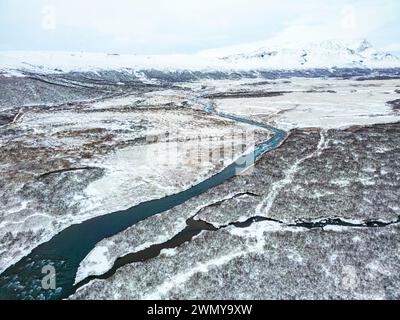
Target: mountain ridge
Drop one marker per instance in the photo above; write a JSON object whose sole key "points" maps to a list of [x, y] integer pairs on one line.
{"points": [[267, 55], [322, 54]]}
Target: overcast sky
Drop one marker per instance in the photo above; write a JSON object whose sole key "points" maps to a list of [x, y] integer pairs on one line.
{"points": [[187, 26]]}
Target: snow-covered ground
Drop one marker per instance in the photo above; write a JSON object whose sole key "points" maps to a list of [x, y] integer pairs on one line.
{"points": [[84, 159], [314, 102], [283, 258], [304, 103], [130, 150]]}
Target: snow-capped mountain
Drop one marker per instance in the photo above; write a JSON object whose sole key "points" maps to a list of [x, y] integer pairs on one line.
{"points": [[295, 55], [265, 55]]}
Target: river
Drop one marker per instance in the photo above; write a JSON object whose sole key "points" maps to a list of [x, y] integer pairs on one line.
{"points": [[67, 249]]}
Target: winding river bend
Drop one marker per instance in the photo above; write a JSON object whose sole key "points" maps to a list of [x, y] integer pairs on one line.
{"points": [[67, 249]]}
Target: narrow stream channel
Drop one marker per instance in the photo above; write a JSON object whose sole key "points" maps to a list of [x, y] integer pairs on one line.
{"points": [[67, 249]]}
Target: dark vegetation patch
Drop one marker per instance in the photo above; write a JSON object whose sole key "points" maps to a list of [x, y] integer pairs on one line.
{"points": [[246, 94], [395, 104], [321, 91], [78, 133], [6, 118], [381, 77]]}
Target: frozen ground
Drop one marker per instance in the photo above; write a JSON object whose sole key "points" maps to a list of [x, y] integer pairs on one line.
{"points": [[326, 219], [265, 261], [319, 176], [302, 103], [64, 164], [316, 218]]}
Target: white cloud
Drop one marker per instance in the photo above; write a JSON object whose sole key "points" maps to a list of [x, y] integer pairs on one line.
{"points": [[349, 18], [353, 21], [168, 25], [393, 47]]}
